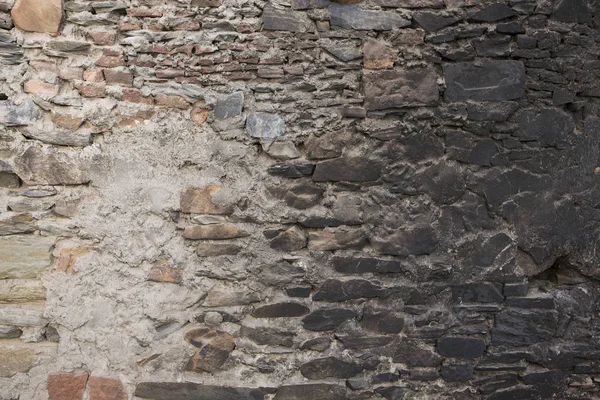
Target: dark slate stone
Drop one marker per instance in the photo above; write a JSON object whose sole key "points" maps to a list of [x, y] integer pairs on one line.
{"points": [[345, 52], [316, 344], [457, 372], [65, 47], [414, 354], [510, 28], [281, 310], [488, 81], [315, 391], [424, 374], [196, 391], [382, 322], [364, 342], [548, 126], [298, 291], [490, 111], [492, 13], [333, 290], [329, 367], [417, 240], [432, 22], [519, 327], [285, 20], [360, 265], [562, 96], [516, 289], [477, 292], [385, 378], [483, 153], [303, 195], [443, 182], [268, 336], [498, 189], [327, 319], [394, 392], [519, 392], [545, 378], [413, 87], [292, 170], [347, 169], [350, 16], [461, 347], [320, 222], [572, 11], [229, 106], [546, 302], [279, 273]]}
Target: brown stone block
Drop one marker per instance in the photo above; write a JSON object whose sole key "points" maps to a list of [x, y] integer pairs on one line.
{"points": [[199, 200], [38, 15], [214, 232], [66, 386], [102, 388], [162, 271]]}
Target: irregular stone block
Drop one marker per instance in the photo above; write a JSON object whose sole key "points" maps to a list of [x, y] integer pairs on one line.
{"points": [[213, 232], [51, 167], [461, 347], [64, 48], [355, 169], [200, 200], [162, 271], [329, 367], [286, 20], [66, 386], [59, 137], [382, 322], [9, 332], [21, 291], [268, 336], [542, 302], [10, 52], [415, 354], [518, 327], [336, 240], [265, 126], [432, 22], [490, 81], [418, 240], [12, 114], [359, 265], [413, 87], [345, 51], [548, 126], [23, 316], [292, 239], [18, 357], [213, 346], [222, 295], [311, 391], [292, 170], [327, 319], [378, 55], [333, 290], [492, 13], [491, 111], [316, 344], [24, 256], [285, 150], [8, 178], [190, 391], [477, 292], [353, 17], [38, 15], [281, 310], [572, 11], [217, 249], [229, 106], [12, 222], [364, 342], [103, 388], [457, 372]]}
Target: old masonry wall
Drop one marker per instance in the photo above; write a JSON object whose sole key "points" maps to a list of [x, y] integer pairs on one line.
{"points": [[299, 200]]}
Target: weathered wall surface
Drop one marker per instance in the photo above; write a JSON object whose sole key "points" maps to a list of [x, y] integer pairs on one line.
{"points": [[248, 199]]}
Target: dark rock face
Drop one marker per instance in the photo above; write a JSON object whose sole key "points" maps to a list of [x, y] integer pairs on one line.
{"points": [[489, 81], [572, 11], [395, 89], [347, 169], [419, 240], [329, 367], [352, 17], [311, 391], [460, 347], [492, 13], [281, 310], [195, 391], [327, 319], [524, 327], [333, 290], [351, 265], [548, 127]]}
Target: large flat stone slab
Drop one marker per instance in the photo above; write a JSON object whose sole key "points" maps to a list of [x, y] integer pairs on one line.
{"points": [[488, 81], [24, 256], [196, 391], [38, 15], [351, 16], [51, 167], [16, 356], [401, 88]]}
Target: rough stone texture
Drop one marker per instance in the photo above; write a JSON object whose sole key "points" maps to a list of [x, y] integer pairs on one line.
{"points": [[200, 201], [24, 256], [38, 15], [404, 88], [265, 125], [353, 17], [66, 386], [104, 388]]}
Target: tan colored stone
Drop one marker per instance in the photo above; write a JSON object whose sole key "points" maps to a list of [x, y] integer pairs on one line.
{"points": [[377, 55], [65, 262], [38, 15], [17, 356], [21, 291], [24, 256], [102, 388], [30, 315], [213, 346], [139, 117], [12, 222], [162, 271], [336, 240], [199, 200], [171, 101], [66, 386], [213, 232], [221, 295], [35, 86], [207, 249], [199, 115], [93, 75], [67, 121]]}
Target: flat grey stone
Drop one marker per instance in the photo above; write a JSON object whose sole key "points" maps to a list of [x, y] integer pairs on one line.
{"points": [[264, 125], [285, 20], [350, 16], [229, 106], [488, 81], [401, 88], [12, 114]]}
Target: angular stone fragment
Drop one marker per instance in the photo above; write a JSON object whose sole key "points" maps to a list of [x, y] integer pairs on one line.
{"points": [[292, 170], [268, 336], [336, 240], [66, 386], [521, 327], [548, 126], [327, 319], [63, 48], [461, 347], [217, 249], [12, 114], [452, 372], [303, 195], [286, 20], [415, 354], [105, 388], [280, 273], [213, 346], [413, 87], [16, 356], [51, 167], [10, 52], [59, 137], [345, 51], [8, 178], [281, 310], [22, 291], [542, 302], [38, 15], [334, 291], [229, 106], [572, 11], [311, 391], [353, 17], [206, 3], [222, 295], [364, 342], [432, 22], [354, 265], [281, 150], [355, 169], [492, 13], [477, 292], [24, 256], [378, 55], [213, 232], [12, 222], [382, 322], [196, 391], [265, 126], [418, 240], [292, 239], [488, 81], [9, 332], [162, 271], [329, 367], [491, 111], [200, 200]]}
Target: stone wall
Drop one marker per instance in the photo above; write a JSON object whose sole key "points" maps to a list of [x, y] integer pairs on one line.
{"points": [[249, 199]]}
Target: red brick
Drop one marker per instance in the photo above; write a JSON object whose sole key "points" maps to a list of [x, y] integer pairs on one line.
{"points": [[156, 27], [127, 26], [103, 38], [102, 388], [66, 386], [144, 12], [187, 49], [159, 49], [171, 101], [93, 75], [169, 73], [188, 26], [135, 96], [91, 89], [110, 61], [122, 78]]}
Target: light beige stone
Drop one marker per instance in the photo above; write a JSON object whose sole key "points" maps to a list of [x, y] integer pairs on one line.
{"points": [[214, 232], [38, 15], [199, 200], [16, 356], [21, 291], [221, 295], [24, 256], [30, 315]]}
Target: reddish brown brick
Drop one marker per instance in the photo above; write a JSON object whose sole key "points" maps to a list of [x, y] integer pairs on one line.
{"points": [[91, 89], [171, 101], [93, 75], [103, 38], [144, 13], [110, 61], [102, 388], [169, 73], [66, 386], [127, 26], [135, 96], [189, 26], [114, 77]]}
